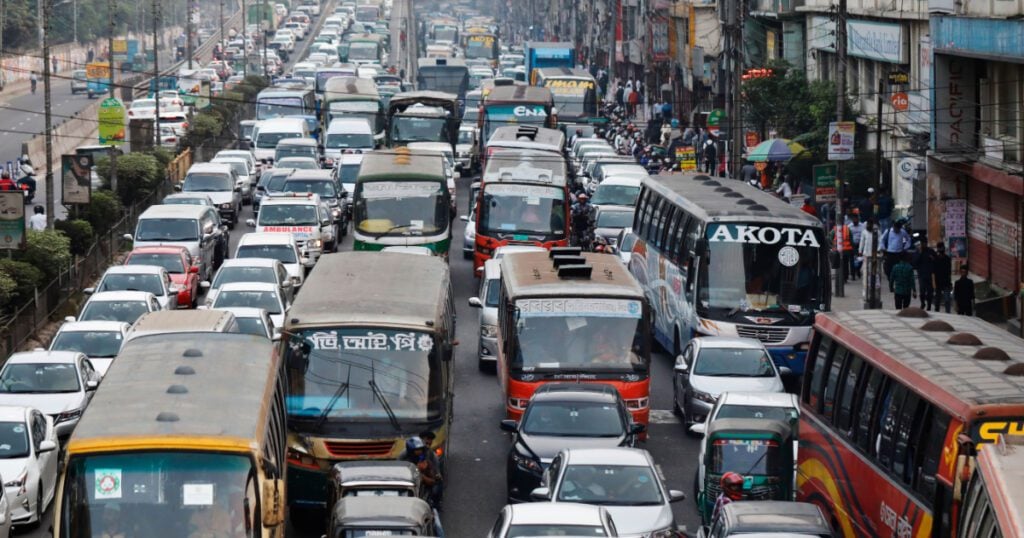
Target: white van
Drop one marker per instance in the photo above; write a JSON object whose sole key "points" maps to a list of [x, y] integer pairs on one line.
{"points": [[347, 135], [194, 227], [617, 190], [269, 132], [304, 216], [220, 182]]}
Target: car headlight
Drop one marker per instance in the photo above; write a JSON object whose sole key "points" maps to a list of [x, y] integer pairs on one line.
{"points": [[225, 206], [68, 415], [18, 482], [314, 243], [336, 212], [703, 396], [489, 331], [526, 463]]}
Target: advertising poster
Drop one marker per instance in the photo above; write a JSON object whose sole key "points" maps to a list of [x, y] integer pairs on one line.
{"points": [[111, 116], [840, 140], [75, 178], [12, 220], [825, 182], [954, 222], [686, 156]]}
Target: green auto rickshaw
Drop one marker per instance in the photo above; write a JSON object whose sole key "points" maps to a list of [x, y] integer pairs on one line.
{"points": [[760, 450]]}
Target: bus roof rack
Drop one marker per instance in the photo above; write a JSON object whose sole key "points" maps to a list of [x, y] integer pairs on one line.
{"points": [[575, 271], [565, 251], [561, 261]]}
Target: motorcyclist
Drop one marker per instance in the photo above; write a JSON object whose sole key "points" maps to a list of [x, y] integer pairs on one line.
{"points": [[6, 183], [732, 490], [417, 453], [582, 220], [27, 181]]}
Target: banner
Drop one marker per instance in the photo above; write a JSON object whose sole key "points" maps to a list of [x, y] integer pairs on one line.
{"points": [[76, 178], [111, 116], [825, 182], [12, 220], [686, 156], [840, 140]]}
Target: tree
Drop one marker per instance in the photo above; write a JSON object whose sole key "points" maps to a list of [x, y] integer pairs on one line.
{"points": [[47, 250], [103, 211], [138, 175]]}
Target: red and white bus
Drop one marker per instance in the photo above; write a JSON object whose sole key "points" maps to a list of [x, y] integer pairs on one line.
{"points": [[895, 406], [569, 316], [993, 501]]}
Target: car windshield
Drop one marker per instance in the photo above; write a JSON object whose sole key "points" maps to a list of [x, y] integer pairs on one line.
{"points": [[269, 140], [267, 300], [787, 415], [323, 188], [132, 282], [198, 182], [521, 212], [401, 208], [570, 334], [298, 163], [530, 531], [615, 195], [465, 137], [169, 494], [13, 440], [419, 129], [232, 274], [94, 344], [610, 485], [39, 378], [126, 311], [294, 150], [240, 167], [251, 326], [170, 261], [573, 419], [745, 456], [733, 362], [614, 219], [282, 253], [362, 51], [167, 230], [356, 374], [345, 140], [288, 215], [273, 180]]}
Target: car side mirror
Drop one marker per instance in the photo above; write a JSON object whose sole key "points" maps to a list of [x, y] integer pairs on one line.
{"points": [[261, 188], [47, 446], [509, 425], [325, 222], [475, 302], [675, 496], [92, 385], [205, 284], [785, 370], [128, 237], [177, 188], [89, 291], [681, 367], [250, 223], [69, 319], [540, 494], [636, 428], [276, 334], [287, 284], [464, 218], [699, 428]]}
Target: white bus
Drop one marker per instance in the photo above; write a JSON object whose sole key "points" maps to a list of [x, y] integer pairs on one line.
{"points": [[722, 258]]}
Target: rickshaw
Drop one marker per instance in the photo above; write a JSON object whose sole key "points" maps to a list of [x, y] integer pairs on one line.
{"points": [[760, 450], [383, 516]]}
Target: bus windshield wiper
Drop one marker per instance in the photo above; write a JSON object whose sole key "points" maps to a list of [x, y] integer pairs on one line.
{"points": [[383, 402], [342, 389], [391, 229]]}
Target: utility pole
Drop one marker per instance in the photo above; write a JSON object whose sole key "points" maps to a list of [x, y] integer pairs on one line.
{"points": [[74, 15], [156, 70], [614, 41], [188, 33], [245, 40], [736, 117], [3, 22], [840, 290], [223, 37], [48, 114], [878, 132], [110, 45]]}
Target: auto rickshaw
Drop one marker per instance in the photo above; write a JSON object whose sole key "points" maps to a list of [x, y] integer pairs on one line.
{"points": [[383, 516], [760, 450]]}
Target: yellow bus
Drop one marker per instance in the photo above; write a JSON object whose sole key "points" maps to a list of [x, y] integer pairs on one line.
{"points": [[184, 438]]}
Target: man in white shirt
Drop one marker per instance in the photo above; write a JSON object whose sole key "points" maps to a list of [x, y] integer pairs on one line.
{"points": [[38, 220]]}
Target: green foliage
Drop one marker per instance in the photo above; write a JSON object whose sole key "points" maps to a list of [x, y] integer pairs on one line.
{"points": [[204, 126], [138, 175], [7, 287], [25, 277], [94, 18], [103, 211], [163, 156], [47, 250], [79, 232]]}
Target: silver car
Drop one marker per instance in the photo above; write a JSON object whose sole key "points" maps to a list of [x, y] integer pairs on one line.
{"points": [[711, 365], [58, 383], [624, 481], [610, 221], [552, 519], [487, 301]]}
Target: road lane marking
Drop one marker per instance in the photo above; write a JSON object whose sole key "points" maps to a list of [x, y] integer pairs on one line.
{"points": [[663, 416]]}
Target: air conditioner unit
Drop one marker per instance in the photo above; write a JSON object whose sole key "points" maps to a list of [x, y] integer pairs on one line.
{"points": [[1011, 149]]}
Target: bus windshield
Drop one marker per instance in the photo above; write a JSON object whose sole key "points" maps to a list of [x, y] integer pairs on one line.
{"points": [[401, 207], [510, 210], [405, 129], [158, 494], [277, 107], [363, 374], [761, 268], [480, 46], [362, 50], [444, 34], [580, 335]]}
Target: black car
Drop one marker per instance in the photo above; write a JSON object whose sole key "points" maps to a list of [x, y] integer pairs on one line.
{"points": [[560, 416]]}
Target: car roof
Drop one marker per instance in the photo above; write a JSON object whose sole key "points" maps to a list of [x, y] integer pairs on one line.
{"points": [[13, 413], [297, 142], [349, 125], [728, 342], [281, 123], [170, 249], [95, 325], [509, 249], [590, 392], [615, 209], [210, 167], [266, 238], [45, 357], [248, 286], [440, 147], [761, 399], [176, 211], [608, 456], [120, 296], [547, 513], [285, 199], [624, 179], [250, 262], [134, 270], [775, 516], [244, 311]]}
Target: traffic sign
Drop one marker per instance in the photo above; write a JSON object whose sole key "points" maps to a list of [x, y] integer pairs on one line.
{"points": [[900, 101]]}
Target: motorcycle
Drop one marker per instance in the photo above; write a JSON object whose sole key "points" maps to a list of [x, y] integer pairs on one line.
{"points": [[27, 181]]}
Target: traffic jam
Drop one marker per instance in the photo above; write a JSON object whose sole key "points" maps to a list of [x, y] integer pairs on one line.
{"points": [[646, 352]]}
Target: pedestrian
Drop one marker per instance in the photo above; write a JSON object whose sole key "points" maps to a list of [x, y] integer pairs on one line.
{"points": [[943, 277], [894, 242], [576, 136], [902, 281], [666, 133], [841, 242], [924, 264], [883, 209], [419, 453], [666, 110], [857, 228], [710, 155], [866, 207], [634, 102], [620, 95], [963, 293], [38, 219], [785, 190], [748, 172], [90, 55]]}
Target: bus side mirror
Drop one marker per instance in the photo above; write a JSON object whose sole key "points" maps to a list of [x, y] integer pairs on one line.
{"points": [[273, 502], [701, 247]]}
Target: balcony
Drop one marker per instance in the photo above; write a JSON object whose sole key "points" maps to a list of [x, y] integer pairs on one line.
{"points": [[775, 7]]}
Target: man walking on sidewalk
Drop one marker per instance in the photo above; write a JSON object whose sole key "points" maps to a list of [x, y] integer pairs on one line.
{"points": [[943, 277], [963, 293], [902, 281], [894, 243], [924, 263]]}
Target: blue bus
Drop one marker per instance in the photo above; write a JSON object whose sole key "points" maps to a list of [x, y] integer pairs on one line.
{"points": [[290, 100]]}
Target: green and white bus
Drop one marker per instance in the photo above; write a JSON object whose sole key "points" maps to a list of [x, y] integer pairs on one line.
{"points": [[402, 199]]}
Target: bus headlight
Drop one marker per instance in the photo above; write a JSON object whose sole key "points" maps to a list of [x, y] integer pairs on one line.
{"points": [[300, 458], [489, 331], [518, 404], [637, 403]]}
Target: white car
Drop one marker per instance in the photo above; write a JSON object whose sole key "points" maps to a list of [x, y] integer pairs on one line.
{"points": [[58, 383], [28, 463], [269, 297], [255, 321], [243, 269], [142, 109], [124, 306], [278, 246], [151, 278], [5, 512], [552, 519], [245, 174], [99, 340]]}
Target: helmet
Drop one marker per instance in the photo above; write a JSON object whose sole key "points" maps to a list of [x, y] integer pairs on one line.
{"points": [[675, 123], [582, 196], [732, 485], [414, 443]]}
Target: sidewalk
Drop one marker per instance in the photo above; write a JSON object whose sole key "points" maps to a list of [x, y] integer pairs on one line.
{"points": [[854, 296]]}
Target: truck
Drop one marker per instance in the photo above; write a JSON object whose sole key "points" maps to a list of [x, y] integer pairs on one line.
{"points": [[262, 14], [97, 75], [541, 54]]}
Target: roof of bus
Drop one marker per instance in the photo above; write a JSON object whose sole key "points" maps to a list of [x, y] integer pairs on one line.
{"points": [[399, 162], [212, 390], [286, 92], [539, 136], [574, 72], [1002, 466], [533, 274], [948, 373], [519, 94], [712, 200], [376, 288], [350, 87]]}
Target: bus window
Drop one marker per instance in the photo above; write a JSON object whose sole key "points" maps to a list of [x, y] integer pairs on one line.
{"points": [[932, 439], [817, 364], [864, 438], [892, 401], [673, 239], [832, 383], [903, 451], [844, 417]]}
